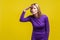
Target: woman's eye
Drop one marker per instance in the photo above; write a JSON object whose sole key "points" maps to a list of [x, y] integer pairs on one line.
{"points": [[34, 8]]}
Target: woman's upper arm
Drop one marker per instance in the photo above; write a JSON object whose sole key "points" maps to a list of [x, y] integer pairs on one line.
{"points": [[47, 24], [26, 19], [47, 29]]}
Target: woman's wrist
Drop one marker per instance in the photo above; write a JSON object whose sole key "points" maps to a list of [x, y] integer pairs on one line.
{"points": [[24, 10]]}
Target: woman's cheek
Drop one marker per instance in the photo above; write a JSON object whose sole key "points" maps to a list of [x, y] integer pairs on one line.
{"points": [[35, 11]]}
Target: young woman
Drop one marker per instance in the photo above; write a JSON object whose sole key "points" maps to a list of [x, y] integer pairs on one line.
{"points": [[39, 22]]}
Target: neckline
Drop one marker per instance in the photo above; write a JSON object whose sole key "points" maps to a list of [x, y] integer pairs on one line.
{"points": [[39, 17]]}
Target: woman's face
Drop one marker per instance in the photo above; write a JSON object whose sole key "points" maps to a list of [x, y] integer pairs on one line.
{"points": [[34, 9]]}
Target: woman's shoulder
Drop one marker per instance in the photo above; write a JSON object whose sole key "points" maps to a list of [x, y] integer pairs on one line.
{"points": [[44, 15]]}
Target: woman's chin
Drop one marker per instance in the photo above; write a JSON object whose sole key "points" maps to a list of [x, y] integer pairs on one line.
{"points": [[33, 13]]}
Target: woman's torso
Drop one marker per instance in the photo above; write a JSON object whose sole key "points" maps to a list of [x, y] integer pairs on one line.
{"points": [[38, 24]]}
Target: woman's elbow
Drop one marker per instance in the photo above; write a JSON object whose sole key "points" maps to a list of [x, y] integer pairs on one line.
{"points": [[21, 20]]}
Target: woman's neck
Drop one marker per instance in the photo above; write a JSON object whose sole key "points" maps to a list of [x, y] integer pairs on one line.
{"points": [[36, 15]]}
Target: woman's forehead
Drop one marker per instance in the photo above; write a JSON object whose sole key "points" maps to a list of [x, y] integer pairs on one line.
{"points": [[33, 6]]}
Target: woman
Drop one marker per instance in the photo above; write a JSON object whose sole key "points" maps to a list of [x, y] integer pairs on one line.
{"points": [[39, 22]]}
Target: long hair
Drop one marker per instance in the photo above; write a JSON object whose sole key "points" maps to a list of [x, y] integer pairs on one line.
{"points": [[39, 11]]}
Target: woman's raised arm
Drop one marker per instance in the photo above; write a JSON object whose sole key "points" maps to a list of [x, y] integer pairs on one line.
{"points": [[22, 19]]}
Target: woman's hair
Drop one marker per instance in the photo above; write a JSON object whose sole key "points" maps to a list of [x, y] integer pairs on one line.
{"points": [[39, 11]]}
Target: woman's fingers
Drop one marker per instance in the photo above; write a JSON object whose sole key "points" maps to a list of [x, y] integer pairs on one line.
{"points": [[26, 9]]}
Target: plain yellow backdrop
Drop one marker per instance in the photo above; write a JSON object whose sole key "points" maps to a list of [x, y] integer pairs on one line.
{"points": [[12, 29]]}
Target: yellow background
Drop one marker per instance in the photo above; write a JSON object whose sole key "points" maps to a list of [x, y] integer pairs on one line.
{"points": [[12, 29]]}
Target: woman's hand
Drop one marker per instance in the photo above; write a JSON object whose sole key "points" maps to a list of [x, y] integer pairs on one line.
{"points": [[26, 9]]}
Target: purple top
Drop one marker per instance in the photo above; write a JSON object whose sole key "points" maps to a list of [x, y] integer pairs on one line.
{"points": [[40, 25]]}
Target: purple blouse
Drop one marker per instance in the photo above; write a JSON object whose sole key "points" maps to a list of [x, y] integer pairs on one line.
{"points": [[40, 25]]}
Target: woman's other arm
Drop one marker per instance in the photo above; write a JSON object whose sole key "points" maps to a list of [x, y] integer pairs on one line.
{"points": [[47, 26]]}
